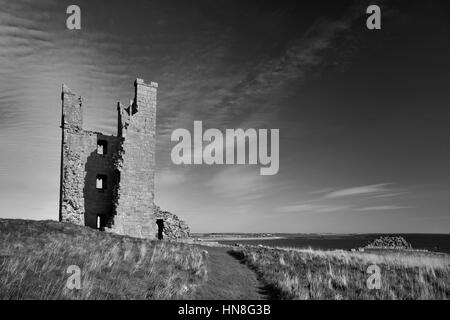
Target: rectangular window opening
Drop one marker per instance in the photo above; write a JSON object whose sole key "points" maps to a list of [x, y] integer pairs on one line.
{"points": [[101, 182], [102, 146]]}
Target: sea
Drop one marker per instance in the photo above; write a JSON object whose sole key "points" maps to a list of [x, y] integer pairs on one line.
{"points": [[430, 242]]}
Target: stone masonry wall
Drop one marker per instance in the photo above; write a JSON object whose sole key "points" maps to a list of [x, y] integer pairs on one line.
{"points": [[136, 163], [126, 203], [72, 165], [81, 201]]}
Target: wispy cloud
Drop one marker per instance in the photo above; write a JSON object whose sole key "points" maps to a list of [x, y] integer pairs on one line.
{"points": [[361, 190], [327, 200], [383, 208], [312, 208], [308, 51], [390, 194], [242, 183]]}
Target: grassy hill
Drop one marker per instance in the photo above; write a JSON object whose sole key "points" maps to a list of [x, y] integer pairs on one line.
{"points": [[35, 257], [315, 274]]}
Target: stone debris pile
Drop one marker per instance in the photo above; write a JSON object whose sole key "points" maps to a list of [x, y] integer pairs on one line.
{"points": [[389, 242], [174, 227]]}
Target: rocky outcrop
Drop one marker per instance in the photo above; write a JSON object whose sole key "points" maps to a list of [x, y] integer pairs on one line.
{"points": [[174, 228], [390, 242]]}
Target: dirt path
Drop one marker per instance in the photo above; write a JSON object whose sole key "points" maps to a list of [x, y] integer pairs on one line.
{"points": [[229, 279]]}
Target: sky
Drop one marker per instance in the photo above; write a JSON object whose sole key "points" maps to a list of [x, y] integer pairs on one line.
{"points": [[363, 114]]}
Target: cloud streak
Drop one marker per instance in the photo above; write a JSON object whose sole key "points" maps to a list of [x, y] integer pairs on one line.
{"points": [[311, 208], [348, 199], [269, 75], [383, 208], [243, 183], [358, 191]]}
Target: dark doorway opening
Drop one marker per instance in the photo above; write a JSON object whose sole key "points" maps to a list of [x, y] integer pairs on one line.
{"points": [[160, 223], [101, 222]]}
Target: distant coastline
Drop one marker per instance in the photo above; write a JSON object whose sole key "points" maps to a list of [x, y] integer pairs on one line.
{"points": [[237, 236], [429, 242], [234, 238]]}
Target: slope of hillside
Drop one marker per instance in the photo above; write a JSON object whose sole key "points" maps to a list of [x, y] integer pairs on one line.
{"points": [[315, 274], [36, 259]]}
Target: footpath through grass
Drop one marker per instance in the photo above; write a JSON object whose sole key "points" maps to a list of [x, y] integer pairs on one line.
{"points": [[229, 279]]}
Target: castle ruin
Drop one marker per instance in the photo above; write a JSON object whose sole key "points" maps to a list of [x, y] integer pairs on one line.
{"points": [[107, 181]]}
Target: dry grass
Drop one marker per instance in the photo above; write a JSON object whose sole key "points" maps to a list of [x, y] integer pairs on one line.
{"points": [[314, 274], [35, 255]]}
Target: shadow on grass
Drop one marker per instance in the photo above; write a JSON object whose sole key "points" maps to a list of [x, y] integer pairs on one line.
{"points": [[267, 289]]}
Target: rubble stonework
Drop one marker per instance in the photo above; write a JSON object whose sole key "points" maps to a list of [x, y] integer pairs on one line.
{"points": [[390, 242], [174, 228], [125, 165]]}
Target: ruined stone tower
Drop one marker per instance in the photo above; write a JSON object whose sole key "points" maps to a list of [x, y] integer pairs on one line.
{"points": [[107, 182]]}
